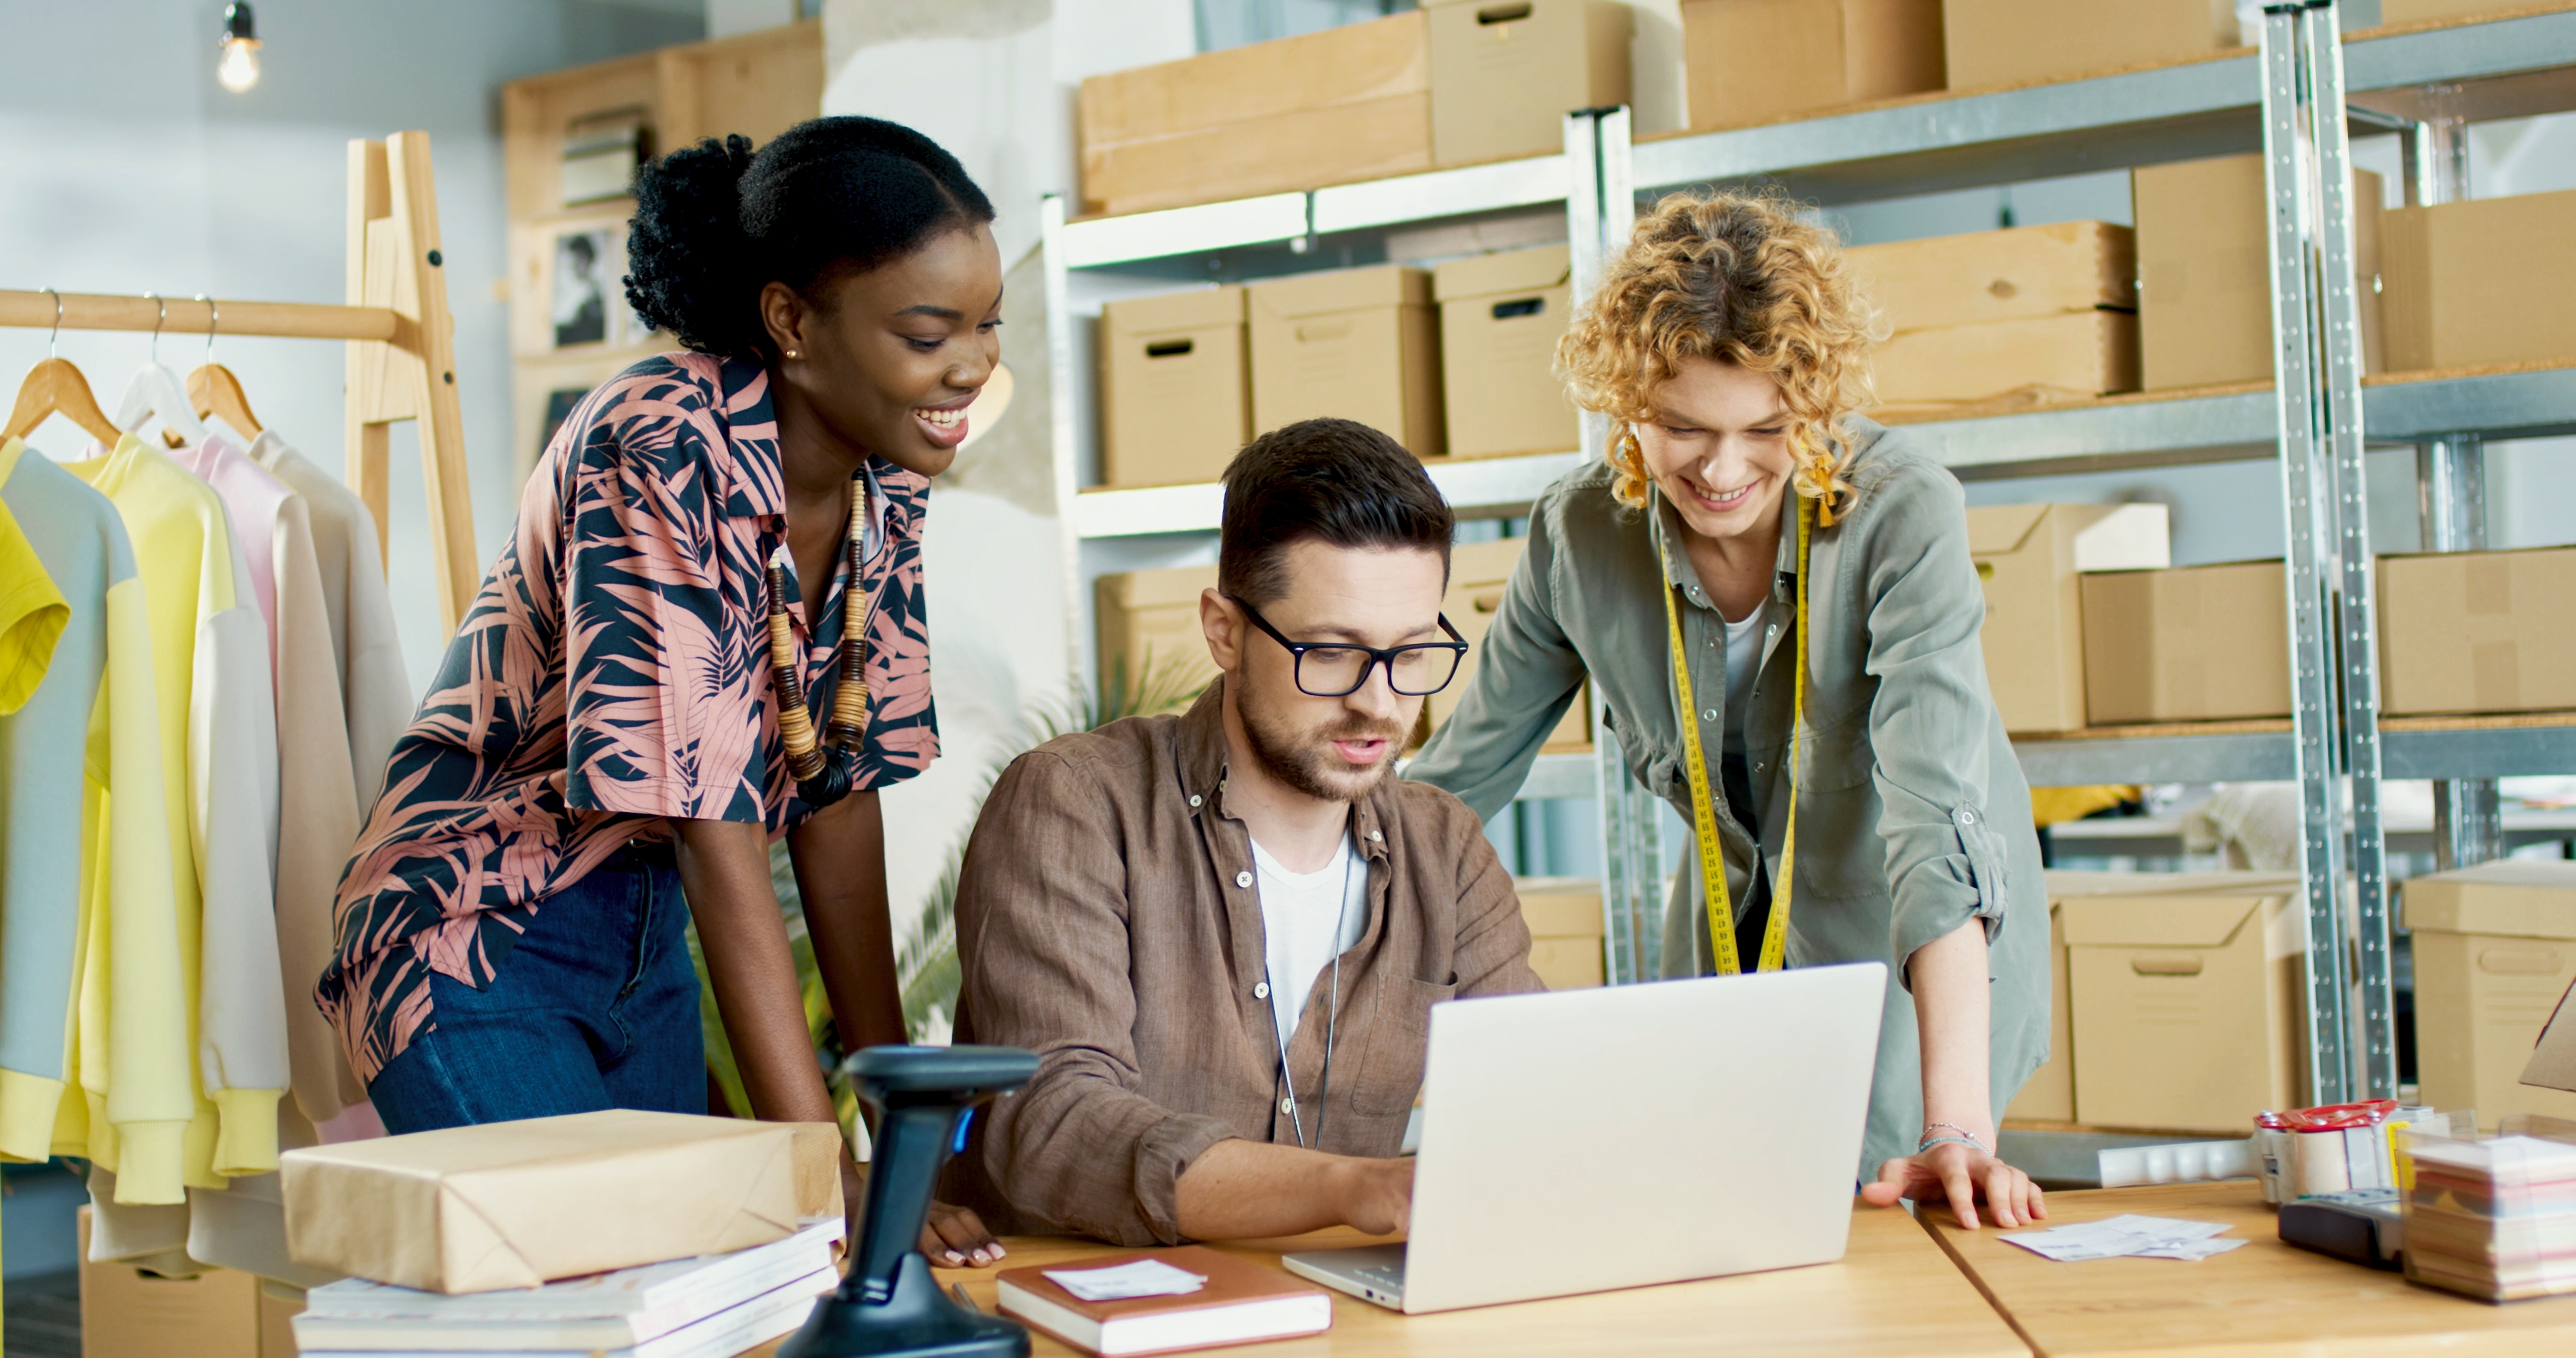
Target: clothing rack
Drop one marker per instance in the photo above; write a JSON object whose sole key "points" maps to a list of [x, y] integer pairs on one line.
{"points": [[400, 333]]}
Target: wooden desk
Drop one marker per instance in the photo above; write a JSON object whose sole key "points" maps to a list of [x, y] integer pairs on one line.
{"points": [[2265, 1298], [1893, 1293]]}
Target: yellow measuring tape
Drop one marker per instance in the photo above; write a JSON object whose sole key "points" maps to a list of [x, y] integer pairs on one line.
{"points": [[1712, 858]]}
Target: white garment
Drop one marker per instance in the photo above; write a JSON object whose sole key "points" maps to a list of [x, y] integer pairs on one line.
{"points": [[373, 683], [1307, 920], [1743, 657]]}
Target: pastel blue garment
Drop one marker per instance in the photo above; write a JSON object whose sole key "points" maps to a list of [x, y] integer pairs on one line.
{"points": [[44, 749]]}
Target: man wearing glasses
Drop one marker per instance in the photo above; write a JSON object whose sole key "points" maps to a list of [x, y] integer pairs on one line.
{"points": [[1223, 930]]}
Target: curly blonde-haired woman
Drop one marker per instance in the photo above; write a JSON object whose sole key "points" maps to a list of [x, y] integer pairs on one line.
{"points": [[1729, 348]]}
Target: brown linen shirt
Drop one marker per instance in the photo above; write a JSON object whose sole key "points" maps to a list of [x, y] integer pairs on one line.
{"points": [[1107, 919]]}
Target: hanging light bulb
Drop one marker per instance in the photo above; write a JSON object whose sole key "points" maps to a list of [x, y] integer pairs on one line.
{"points": [[237, 68]]}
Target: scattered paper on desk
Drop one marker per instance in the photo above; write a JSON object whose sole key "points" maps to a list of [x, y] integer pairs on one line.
{"points": [[2127, 1236], [1143, 1278]]}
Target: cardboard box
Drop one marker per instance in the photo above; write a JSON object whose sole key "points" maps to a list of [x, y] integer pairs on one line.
{"points": [[2394, 12], [2028, 42], [1477, 573], [2077, 354], [2196, 643], [1345, 103], [2009, 275], [2205, 271], [2186, 1007], [2477, 631], [1361, 344], [1148, 625], [1751, 60], [2495, 949], [2473, 283], [127, 1312], [1500, 318], [2049, 1094], [1564, 919], [516, 1204], [1175, 387], [1504, 73], [2029, 562]]}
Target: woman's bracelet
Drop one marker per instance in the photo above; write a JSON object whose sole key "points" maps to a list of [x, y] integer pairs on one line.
{"points": [[1964, 1137]]}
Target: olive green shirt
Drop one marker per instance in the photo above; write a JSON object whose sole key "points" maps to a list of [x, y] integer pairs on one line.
{"points": [[1913, 817]]}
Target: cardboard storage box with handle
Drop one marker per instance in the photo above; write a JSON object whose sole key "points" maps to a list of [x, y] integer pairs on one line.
{"points": [[2186, 1008], [1500, 318], [2194, 643], [1504, 73], [1347, 103], [2028, 42], [1360, 344], [1477, 573], [128, 1312], [1175, 387], [1149, 627], [516, 1204], [2495, 950], [1564, 919], [2477, 631], [1753, 60], [2029, 562]]}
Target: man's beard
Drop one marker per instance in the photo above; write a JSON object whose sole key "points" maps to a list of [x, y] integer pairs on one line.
{"points": [[1306, 760]]}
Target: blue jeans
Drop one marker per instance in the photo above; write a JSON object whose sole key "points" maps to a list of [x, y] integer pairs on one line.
{"points": [[596, 1006]]}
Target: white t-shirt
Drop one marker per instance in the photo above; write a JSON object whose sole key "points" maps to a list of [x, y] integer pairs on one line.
{"points": [[1307, 920], [1743, 656]]}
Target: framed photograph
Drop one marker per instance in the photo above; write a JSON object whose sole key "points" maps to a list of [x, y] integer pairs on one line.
{"points": [[587, 266]]}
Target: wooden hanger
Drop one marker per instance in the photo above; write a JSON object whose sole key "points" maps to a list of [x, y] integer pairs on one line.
{"points": [[213, 391], [55, 387]]}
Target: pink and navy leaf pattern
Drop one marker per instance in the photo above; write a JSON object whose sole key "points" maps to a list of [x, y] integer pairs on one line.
{"points": [[611, 677]]}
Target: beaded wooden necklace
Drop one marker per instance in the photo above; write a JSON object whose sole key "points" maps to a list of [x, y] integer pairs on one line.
{"points": [[822, 768]]}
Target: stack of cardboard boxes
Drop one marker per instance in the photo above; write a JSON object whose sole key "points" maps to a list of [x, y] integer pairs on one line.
{"points": [[2041, 311]]}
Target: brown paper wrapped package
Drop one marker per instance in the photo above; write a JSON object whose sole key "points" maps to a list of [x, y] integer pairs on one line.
{"points": [[517, 1204]]}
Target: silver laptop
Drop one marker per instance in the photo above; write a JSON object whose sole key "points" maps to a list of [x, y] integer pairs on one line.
{"points": [[1597, 1139]]}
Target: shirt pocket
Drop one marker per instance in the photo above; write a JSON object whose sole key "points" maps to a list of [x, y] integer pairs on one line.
{"points": [[1391, 1074]]}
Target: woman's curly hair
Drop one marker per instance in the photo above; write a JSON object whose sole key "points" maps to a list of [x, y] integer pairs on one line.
{"points": [[1741, 279]]}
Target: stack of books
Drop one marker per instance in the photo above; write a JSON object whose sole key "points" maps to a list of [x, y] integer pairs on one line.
{"points": [[2493, 1219], [712, 1307]]}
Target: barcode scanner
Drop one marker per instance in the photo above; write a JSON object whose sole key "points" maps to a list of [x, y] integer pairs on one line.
{"points": [[888, 1303]]}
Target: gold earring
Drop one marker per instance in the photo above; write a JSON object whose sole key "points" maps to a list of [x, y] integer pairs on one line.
{"points": [[791, 353]]}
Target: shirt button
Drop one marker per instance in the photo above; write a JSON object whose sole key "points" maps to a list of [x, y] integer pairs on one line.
{"points": [[1709, 715], [1377, 836], [1760, 767], [1195, 799], [1243, 879], [1288, 1106], [1261, 990], [1964, 816]]}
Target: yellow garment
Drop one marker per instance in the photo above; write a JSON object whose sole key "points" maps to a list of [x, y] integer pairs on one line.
{"points": [[32, 617], [156, 1088], [2051, 805]]}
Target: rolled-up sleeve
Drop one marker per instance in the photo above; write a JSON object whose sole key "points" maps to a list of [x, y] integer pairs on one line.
{"points": [[1042, 934], [1527, 673], [1929, 722]]}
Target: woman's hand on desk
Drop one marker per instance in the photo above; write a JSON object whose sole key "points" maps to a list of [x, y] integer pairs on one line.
{"points": [[1961, 1174]]}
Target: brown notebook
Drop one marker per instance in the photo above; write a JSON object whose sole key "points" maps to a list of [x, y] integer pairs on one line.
{"points": [[1241, 1303]]}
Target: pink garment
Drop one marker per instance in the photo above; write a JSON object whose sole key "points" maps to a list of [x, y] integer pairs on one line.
{"points": [[252, 500]]}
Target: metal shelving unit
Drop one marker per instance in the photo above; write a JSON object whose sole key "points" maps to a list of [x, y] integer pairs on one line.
{"points": [[2286, 98]]}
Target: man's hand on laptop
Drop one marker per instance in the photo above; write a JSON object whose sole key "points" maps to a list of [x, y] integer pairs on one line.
{"points": [[1377, 1195], [1961, 1174]]}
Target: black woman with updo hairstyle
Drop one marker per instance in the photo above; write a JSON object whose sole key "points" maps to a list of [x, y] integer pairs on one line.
{"points": [[705, 634]]}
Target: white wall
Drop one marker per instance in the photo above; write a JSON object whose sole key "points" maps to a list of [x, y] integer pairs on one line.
{"points": [[129, 170]]}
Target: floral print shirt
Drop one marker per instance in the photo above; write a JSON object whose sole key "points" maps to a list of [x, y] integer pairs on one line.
{"points": [[613, 676]]}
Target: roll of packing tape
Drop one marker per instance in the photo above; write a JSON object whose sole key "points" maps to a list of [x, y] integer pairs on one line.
{"points": [[2320, 1163]]}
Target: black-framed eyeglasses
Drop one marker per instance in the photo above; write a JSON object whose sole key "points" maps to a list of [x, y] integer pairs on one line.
{"points": [[1333, 669]]}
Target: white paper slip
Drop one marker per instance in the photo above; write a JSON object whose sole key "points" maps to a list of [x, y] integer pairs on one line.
{"points": [[2123, 1236], [1142, 1278]]}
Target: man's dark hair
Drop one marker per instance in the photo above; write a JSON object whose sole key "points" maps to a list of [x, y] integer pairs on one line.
{"points": [[1338, 482]]}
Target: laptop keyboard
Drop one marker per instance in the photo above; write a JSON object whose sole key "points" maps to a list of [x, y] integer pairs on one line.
{"points": [[1390, 1276]]}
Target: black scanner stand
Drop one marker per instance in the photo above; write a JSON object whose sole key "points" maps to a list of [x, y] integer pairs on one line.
{"points": [[888, 1304]]}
